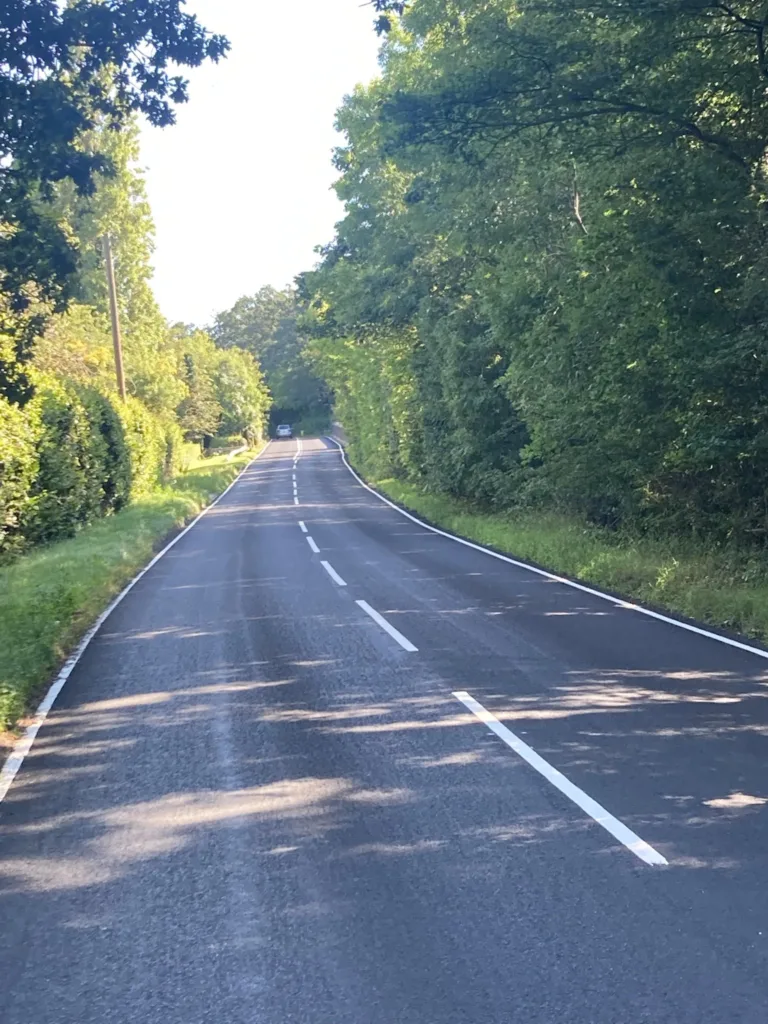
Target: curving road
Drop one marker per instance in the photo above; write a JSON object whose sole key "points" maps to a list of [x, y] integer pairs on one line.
{"points": [[258, 798]]}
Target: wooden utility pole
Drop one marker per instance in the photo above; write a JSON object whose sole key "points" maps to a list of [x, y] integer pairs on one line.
{"points": [[115, 316]]}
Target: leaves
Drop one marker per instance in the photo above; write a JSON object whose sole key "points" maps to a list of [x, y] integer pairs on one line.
{"points": [[549, 285]]}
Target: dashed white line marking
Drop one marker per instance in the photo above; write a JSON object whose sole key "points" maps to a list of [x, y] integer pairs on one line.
{"points": [[595, 810], [303, 526], [387, 627], [333, 574], [314, 546], [295, 500]]}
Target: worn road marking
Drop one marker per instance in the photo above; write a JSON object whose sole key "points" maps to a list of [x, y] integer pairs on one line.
{"points": [[314, 546], [333, 574], [595, 810], [387, 627]]}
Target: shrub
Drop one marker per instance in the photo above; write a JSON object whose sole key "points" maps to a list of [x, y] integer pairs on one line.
{"points": [[18, 469], [176, 449], [145, 444], [84, 465], [112, 464], [65, 493]]}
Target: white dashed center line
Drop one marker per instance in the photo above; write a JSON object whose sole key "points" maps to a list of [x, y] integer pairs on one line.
{"points": [[404, 642], [314, 546], [302, 526], [333, 574]]}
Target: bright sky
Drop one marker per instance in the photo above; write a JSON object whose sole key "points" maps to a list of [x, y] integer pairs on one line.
{"points": [[240, 186]]}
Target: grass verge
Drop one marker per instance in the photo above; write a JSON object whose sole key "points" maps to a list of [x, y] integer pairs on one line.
{"points": [[49, 597], [725, 586]]}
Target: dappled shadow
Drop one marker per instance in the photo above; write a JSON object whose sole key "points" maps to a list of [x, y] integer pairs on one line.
{"points": [[242, 769]]}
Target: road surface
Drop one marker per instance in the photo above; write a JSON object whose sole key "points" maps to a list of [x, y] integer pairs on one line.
{"points": [[254, 801]]}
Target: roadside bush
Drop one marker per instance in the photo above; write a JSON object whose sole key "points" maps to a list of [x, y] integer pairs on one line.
{"points": [[176, 450], [145, 442], [84, 468], [112, 456], [74, 455], [18, 469], [65, 491]]}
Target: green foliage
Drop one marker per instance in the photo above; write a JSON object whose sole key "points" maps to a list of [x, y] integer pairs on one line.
{"points": [[64, 69], [18, 470], [49, 597], [199, 411], [146, 441], [242, 395], [265, 324], [548, 289], [83, 463], [724, 586]]}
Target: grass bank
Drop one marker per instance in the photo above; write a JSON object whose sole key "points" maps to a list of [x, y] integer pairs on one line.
{"points": [[49, 597], [724, 587]]}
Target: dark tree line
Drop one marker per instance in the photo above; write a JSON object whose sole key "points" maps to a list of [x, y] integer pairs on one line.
{"points": [[549, 284]]}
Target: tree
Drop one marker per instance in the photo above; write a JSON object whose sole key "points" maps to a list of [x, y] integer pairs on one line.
{"points": [[242, 394], [64, 69], [265, 324], [549, 284]]}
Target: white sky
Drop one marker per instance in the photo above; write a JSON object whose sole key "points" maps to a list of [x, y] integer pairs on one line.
{"points": [[240, 185]]}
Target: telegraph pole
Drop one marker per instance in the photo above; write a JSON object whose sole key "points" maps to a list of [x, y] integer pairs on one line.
{"points": [[115, 317]]}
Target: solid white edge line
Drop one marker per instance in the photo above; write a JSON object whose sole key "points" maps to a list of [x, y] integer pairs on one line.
{"points": [[23, 745], [617, 601], [387, 627], [303, 526], [314, 546], [333, 574], [591, 807]]}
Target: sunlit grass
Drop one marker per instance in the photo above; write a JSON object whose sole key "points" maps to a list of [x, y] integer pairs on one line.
{"points": [[723, 586], [49, 597]]}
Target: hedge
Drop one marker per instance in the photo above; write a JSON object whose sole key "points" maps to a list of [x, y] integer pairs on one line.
{"points": [[18, 470], [74, 455]]}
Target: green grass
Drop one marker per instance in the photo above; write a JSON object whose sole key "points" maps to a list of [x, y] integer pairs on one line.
{"points": [[725, 586], [49, 597]]}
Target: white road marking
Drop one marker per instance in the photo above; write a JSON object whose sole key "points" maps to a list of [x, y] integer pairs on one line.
{"points": [[314, 546], [295, 500], [23, 745], [387, 627], [333, 574], [302, 526], [595, 810], [617, 602], [294, 478]]}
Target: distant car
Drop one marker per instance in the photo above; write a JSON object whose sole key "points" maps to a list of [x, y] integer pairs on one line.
{"points": [[284, 430]]}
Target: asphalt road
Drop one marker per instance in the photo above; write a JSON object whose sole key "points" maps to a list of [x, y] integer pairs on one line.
{"points": [[252, 803]]}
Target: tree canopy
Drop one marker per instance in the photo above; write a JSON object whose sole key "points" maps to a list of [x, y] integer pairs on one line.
{"points": [[66, 70], [549, 282], [265, 325]]}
